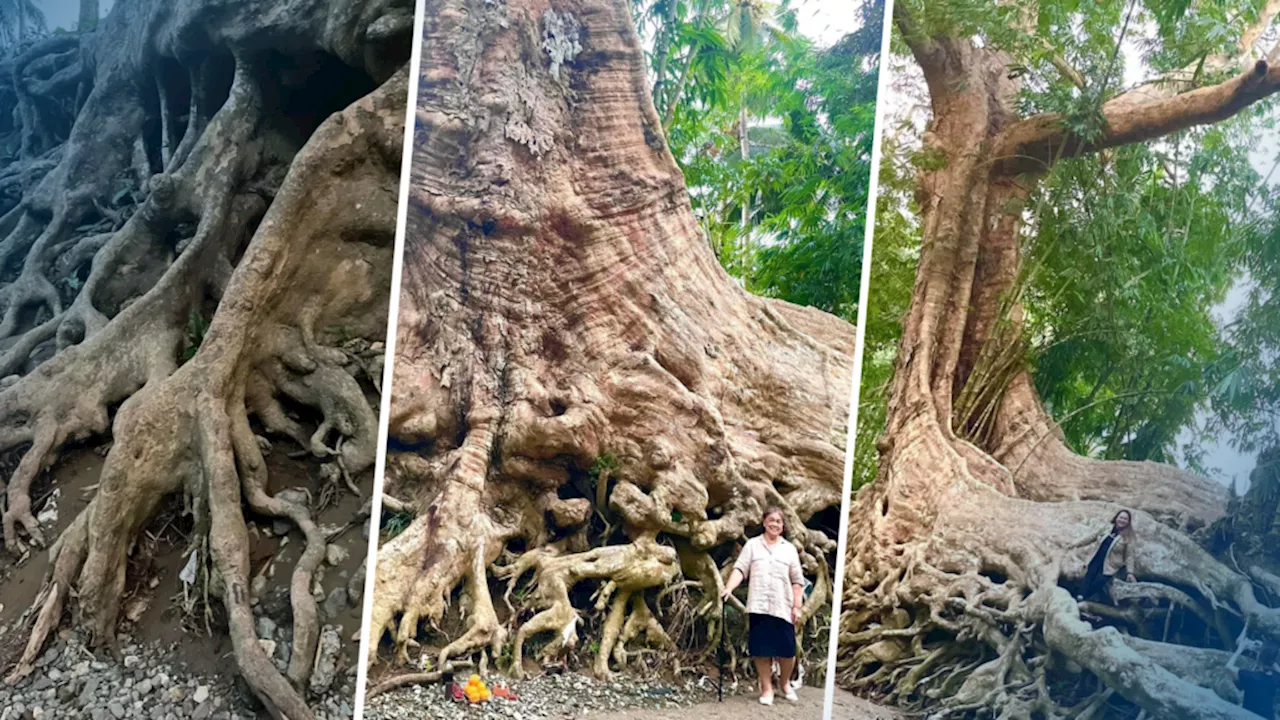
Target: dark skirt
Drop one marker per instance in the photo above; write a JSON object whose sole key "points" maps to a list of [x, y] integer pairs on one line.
{"points": [[769, 636]]}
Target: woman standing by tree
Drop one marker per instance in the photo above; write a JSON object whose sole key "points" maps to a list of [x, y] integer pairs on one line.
{"points": [[775, 593], [1115, 553]]}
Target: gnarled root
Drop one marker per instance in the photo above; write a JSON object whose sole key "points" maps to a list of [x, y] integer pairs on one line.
{"points": [[976, 615], [627, 570], [292, 243]]}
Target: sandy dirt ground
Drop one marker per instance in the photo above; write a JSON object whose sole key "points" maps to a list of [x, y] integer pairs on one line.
{"points": [[846, 707]]}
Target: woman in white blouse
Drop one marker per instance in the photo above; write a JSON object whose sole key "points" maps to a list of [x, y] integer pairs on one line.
{"points": [[775, 593]]}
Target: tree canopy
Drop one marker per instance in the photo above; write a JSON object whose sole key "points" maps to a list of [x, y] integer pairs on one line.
{"points": [[1136, 258], [803, 178]]}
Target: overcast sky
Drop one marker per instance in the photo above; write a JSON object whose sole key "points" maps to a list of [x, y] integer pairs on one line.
{"points": [[64, 13], [826, 21]]}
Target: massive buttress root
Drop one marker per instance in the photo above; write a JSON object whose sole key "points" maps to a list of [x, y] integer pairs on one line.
{"points": [[583, 398]]}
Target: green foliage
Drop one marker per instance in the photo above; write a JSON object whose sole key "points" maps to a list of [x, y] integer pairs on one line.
{"points": [[606, 463], [396, 523], [1246, 397], [1130, 254], [893, 265], [786, 217], [1170, 36], [196, 329]]}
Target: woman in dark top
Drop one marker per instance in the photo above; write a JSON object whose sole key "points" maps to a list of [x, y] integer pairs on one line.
{"points": [[1115, 553], [1258, 686]]}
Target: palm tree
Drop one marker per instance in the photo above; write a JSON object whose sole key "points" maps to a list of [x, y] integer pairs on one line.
{"points": [[746, 27], [19, 19]]}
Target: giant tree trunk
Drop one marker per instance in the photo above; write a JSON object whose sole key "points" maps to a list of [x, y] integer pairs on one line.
{"points": [[958, 548], [259, 189], [588, 396]]}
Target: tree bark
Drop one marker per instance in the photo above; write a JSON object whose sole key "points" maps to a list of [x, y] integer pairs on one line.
{"points": [[88, 16], [279, 214], [589, 397], [969, 536]]}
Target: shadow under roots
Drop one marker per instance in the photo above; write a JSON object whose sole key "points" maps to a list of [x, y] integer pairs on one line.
{"points": [[301, 91]]}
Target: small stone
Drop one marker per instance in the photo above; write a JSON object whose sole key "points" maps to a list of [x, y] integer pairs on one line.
{"points": [[336, 602], [294, 495], [258, 586], [201, 694], [143, 688], [266, 628], [355, 586], [116, 709], [335, 554], [326, 665]]}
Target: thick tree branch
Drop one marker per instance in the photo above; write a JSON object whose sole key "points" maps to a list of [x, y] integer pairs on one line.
{"points": [[1032, 145], [1254, 31]]}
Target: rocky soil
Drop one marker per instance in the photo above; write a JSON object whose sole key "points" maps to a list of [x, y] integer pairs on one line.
{"points": [[148, 683], [167, 670], [557, 697], [567, 695]]}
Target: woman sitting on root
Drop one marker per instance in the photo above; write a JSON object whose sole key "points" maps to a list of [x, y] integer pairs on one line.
{"points": [[775, 593], [1115, 553]]}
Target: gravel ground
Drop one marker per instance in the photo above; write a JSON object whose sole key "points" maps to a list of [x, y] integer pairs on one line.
{"points": [[166, 673], [69, 682], [558, 697], [546, 696]]}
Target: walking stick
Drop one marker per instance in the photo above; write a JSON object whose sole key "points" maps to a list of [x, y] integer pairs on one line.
{"points": [[721, 653]]}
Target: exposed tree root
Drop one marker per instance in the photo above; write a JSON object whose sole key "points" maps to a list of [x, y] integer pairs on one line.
{"points": [[256, 188], [407, 679], [591, 409]]}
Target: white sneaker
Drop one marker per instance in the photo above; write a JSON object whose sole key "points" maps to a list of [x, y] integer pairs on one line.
{"points": [[766, 699], [790, 694]]}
